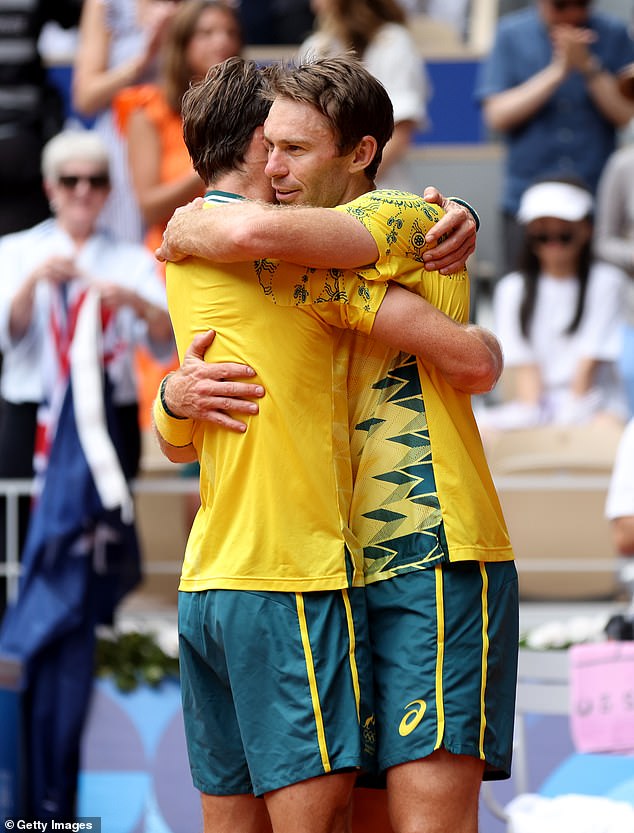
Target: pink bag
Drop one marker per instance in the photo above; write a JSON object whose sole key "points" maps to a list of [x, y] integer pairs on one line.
{"points": [[602, 697]]}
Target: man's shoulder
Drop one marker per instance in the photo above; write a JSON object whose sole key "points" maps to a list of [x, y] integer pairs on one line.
{"points": [[386, 200], [519, 22], [397, 220], [600, 20], [31, 236], [607, 276]]}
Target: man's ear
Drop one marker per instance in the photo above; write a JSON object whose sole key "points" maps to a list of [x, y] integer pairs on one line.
{"points": [[363, 154]]}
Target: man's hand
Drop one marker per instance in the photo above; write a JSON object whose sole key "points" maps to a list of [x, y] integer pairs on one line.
{"points": [[172, 248], [459, 227], [571, 45], [201, 390]]}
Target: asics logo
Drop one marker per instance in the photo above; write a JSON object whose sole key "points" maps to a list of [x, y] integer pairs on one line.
{"points": [[412, 717]]}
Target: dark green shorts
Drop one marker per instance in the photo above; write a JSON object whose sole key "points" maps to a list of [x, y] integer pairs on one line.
{"points": [[276, 687], [445, 645]]}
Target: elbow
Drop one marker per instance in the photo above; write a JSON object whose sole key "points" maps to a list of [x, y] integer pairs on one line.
{"points": [[482, 378], [83, 103], [495, 118], [496, 123], [174, 453], [492, 367], [622, 541], [151, 216], [625, 119], [491, 117], [487, 364]]}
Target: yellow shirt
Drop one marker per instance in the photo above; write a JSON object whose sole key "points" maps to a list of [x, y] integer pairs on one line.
{"points": [[423, 492], [275, 499]]}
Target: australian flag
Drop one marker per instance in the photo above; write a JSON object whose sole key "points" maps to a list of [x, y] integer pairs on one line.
{"points": [[80, 558]]}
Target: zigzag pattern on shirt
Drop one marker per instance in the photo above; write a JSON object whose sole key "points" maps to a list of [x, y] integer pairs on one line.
{"points": [[411, 508]]}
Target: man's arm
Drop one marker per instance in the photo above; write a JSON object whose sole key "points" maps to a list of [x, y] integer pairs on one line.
{"points": [[321, 237], [468, 356], [511, 108], [204, 391], [623, 534]]}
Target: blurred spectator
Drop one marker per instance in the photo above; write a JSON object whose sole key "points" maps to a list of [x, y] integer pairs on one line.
{"points": [[276, 21], [31, 109], [549, 86], [45, 272], [614, 243], [201, 34], [73, 302], [558, 318], [118, 46], [376, 32]]}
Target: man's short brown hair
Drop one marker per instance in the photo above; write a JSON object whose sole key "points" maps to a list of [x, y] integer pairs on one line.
{"points": [[355, 103], [220, 114]]}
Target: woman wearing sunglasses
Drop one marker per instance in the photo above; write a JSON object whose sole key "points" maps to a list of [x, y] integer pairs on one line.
{"points": [[45, 273], [559, 317]]}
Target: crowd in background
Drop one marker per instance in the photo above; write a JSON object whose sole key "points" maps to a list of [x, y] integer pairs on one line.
{"points": [[556, 88]]}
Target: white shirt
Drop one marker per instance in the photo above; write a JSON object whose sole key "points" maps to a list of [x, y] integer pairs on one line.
{"points": [[620, 498], [101, 258], [556, 353]]}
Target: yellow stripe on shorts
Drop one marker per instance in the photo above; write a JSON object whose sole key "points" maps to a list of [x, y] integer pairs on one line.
{"points": [[312, 682], [440, 657], [485, 652], [354, 671]]}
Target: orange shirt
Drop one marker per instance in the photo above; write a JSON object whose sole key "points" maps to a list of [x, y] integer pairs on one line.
{"points": [[175, 162]]}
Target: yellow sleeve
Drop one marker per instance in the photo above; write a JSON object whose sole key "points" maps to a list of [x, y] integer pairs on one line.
{"points": [[398, 221], [176, 431]]}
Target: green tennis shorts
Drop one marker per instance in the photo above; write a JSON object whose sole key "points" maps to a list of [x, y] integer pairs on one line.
{"points": [[445, 645], [276, 687]]}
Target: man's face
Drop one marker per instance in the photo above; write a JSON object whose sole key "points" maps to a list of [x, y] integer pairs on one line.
{"points": [[258, 186], [303, 159]]}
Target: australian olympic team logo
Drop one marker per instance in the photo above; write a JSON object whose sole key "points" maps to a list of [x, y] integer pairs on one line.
{"points": [[413, 716], [369, 735]]}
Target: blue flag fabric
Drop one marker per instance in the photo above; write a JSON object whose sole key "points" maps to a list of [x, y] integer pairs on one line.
{"points": [[78, 562]]}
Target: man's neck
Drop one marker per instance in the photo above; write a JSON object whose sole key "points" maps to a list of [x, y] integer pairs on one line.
{"points": [[357, 187], [235, 183]]}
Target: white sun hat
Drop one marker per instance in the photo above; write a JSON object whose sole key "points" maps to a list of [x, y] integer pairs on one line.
{"points": [[554, 199]]}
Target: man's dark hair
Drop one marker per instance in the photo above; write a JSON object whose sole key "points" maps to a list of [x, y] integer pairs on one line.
{"points": [[220, 114], [355, 103]]}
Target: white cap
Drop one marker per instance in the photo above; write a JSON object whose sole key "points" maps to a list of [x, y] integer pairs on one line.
{"points": [[554, 199]]}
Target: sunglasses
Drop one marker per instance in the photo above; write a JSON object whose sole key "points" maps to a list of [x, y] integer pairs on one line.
{"points": [[562, 5], [97, 182], [565, 238]]}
